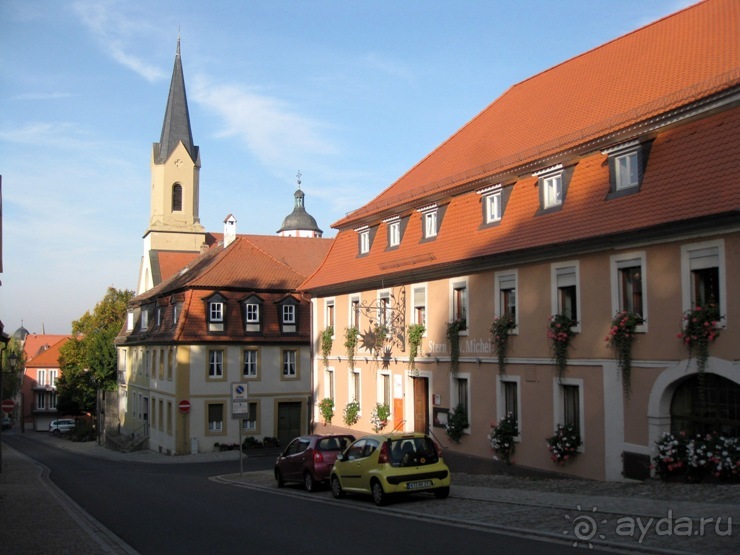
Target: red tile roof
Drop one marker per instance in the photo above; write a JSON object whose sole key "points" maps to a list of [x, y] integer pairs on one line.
{"points": [[36, 344], [48, 358], [671, 62]]}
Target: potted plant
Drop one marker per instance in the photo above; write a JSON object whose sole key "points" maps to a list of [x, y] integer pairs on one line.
{"points": [[350, 343], [326, 406], [560, 333], [327, 341], [453, 336], [620, 338], [564, 444], [699, 330], [457, 423], [379, 417], [416, 333], [380, 332], [501, 437], [351, 413], [501, 327]]}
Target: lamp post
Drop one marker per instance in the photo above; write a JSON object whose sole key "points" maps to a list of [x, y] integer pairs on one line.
{"points": [[13, 360]]}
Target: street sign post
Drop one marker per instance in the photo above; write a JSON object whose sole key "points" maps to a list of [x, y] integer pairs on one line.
{"points": [[8, 405], [240, 411], [184, 406]]}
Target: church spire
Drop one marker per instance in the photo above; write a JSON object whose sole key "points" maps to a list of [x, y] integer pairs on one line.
{"points": [[176, 126]]}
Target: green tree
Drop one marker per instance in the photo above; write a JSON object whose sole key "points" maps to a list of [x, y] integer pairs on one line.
{"points": [[88, 360], [12, 377]]}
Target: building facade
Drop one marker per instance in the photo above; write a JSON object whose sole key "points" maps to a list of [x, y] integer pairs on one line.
{"points": [[603, 187]]}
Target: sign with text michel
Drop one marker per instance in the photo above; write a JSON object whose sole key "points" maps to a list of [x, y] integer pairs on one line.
{"points": [[239, 401]]}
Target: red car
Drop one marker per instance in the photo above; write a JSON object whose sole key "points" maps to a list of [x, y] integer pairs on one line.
{"points": [[309, 459]]}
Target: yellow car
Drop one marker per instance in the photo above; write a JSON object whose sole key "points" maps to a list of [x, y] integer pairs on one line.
{"points": [[382, 465]]}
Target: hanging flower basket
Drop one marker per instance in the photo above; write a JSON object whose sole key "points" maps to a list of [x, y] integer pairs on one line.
{"points": [[564, 444], [620, 338], [699, 330], [501, 437], [501, 329], [560, 333]]}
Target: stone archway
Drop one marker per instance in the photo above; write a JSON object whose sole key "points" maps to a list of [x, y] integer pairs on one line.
{"points": [[664, 388]]}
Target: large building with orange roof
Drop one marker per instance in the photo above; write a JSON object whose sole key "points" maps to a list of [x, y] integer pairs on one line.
{"points": [[605, 185], [213, 310], [38, 406]]}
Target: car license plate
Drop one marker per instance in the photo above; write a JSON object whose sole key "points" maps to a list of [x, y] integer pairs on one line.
{"points": [[420, 484]]}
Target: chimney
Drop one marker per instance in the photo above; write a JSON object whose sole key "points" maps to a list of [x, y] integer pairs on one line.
{"points": [[229, 230]]}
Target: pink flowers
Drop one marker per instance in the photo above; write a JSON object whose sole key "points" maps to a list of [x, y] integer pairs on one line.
{"points": [[700, 328]]}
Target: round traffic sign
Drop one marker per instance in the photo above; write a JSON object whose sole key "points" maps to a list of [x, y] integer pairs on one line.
{"points": [[184, 406], [8, 405]]}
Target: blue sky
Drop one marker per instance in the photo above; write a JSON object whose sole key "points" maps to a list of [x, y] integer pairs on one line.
{"points": [[352, 94]]}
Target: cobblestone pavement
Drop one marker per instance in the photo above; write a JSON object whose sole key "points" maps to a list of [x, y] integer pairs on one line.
{"points": [[652, 517]]}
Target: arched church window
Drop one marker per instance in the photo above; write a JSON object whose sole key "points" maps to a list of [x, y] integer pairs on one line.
{"points": [[177, 198], [705, 404]]}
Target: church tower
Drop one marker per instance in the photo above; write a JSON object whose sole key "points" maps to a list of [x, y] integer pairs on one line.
{"points": [[174, 222]]}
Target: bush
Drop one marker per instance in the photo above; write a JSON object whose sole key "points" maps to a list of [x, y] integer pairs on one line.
{"points": [[457, 423]]}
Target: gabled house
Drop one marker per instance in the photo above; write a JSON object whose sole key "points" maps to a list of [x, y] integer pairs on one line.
{"points": [[213, 310], [38, 405], [605, 185]]}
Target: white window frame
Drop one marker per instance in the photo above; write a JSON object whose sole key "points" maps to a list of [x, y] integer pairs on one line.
{"points": [[430, 224], [350, 311], [364, 241], [493, 206], [250, 424], [558, 406], [290, 363], [176, 313], [130, 320], [329, 383], [384, 308], [289, 314], [144, 319], [355, 377], [627, 260], [215, 366], [247, 355], [690, 255], [552, 190], [216, 311], [53, 374], [216, 425], [252, 313], [41, 377], [505, 278], [455, 285], [330, 314], [414, 306], [394, 233], [559, 277], [501, 401], [623, 178], [454, 396], [383, 377]]}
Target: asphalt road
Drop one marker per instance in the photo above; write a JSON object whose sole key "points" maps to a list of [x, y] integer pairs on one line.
{"points": [[161, 508]]}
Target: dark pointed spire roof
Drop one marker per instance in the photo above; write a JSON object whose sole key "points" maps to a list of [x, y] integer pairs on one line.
{"points": [[299, 219], [176, 125]]}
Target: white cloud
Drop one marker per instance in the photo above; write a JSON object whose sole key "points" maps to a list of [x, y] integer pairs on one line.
{"points": [[117, 31], [272, 131], [393, 69]]}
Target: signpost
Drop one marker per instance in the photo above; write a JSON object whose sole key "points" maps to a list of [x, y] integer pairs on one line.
{"points": [[240, 411], [8, 405], [184, 406]]}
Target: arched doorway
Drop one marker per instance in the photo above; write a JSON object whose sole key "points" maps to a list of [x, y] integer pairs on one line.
{"points": [[705, 403]]}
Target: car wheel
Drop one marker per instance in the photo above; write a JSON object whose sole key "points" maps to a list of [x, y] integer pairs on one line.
{"points": [[279, 478], [379, 495], [442, 493], [56, 432], [336, 488], [309, 482]]}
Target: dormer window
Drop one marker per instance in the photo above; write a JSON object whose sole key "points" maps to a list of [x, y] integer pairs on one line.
{"points": [[216, 313], [365, 242], [493, 207], [553, 185], [288, 314], [253, 314], [130, 320], [627, 166], [144, 319], [394, 232], [176, 313], [159, 316], [431, 218]]}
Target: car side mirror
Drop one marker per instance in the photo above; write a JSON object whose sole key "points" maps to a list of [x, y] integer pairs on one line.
{"points": [[340, 457]]}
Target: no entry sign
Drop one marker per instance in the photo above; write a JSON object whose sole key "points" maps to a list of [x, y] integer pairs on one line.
{"points": [[184, 406], [8, 405]]}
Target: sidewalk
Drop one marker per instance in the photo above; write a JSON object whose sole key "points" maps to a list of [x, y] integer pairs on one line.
{"points": [[659, 513]]}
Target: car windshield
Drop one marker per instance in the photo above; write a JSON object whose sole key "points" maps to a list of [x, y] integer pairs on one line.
{"points": [[412, 451], [334, 443]]}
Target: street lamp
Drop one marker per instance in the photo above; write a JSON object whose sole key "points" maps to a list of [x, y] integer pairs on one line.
{"points": [[13, 360]]}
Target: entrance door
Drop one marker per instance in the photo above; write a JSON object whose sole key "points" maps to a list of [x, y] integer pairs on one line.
{"points": [[421, 405], [289, 421]]}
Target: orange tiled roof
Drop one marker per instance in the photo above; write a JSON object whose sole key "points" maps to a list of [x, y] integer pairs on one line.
{"points": [[48, 358], [696, 46], [36, 344], [671, 62]]}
